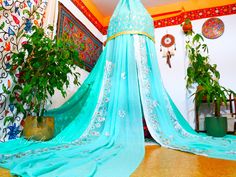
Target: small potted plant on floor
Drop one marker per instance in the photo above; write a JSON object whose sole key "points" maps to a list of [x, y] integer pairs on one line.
{"points": [[206, 76], [40, 67]]}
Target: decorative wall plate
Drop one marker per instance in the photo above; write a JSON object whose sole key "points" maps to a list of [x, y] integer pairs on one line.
{"points": [[213, 28]]}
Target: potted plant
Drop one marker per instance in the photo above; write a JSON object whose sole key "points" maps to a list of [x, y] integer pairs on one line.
{"points": [[206, 76], [187, 26], [215, 94], [40, 67]]}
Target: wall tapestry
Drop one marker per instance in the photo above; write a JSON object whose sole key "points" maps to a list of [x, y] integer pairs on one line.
{"points": [[168, 47], [89, 46], [16, 18], [213, 28]]}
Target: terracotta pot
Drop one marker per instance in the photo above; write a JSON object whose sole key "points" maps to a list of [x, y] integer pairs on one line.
{"points": [[39, 131], [187, 27]]}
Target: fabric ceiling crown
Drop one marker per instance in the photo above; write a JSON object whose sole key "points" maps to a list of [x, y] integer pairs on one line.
{"points": [[130, 17]]}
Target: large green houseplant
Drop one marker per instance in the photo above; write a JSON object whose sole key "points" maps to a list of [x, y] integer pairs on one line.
{"points": [[206, 76], [40, 67]]}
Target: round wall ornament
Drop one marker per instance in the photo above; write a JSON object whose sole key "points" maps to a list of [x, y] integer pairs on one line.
{"points": [[213, 28], [168, 40]]}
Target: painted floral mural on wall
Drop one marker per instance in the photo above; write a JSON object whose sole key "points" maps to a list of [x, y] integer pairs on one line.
{"points": [[16, 18]]}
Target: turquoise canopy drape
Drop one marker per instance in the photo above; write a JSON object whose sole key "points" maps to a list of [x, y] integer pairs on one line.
{"points": [[99, 131]]}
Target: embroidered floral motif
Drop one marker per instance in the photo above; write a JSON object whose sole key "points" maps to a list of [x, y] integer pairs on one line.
{"points": [[98, 125], [122, 113], [101, 119], [94, 133], [123, 75], [150, 104], [231, 152], [14, 131], [98, 118], [28, 25], [107, 134]]}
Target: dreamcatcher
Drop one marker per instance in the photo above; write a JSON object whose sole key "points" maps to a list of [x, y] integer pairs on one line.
{"points": [[168, 47]]}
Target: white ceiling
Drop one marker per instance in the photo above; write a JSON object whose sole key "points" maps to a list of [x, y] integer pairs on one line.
{"points": [[106, 7]]}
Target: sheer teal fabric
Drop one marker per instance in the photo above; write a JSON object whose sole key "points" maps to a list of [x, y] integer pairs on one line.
{"points": [[164, 121], [99, 130], [104, 139]]}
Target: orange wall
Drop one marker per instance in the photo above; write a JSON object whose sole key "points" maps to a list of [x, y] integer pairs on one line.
{"points": [[159, 10]]}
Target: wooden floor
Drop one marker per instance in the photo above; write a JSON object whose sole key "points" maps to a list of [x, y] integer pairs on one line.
{"points": [[4, 173], [161, 162]]}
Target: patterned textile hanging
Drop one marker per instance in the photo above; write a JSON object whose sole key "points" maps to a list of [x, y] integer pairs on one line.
{"points": [[16, 19]]}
